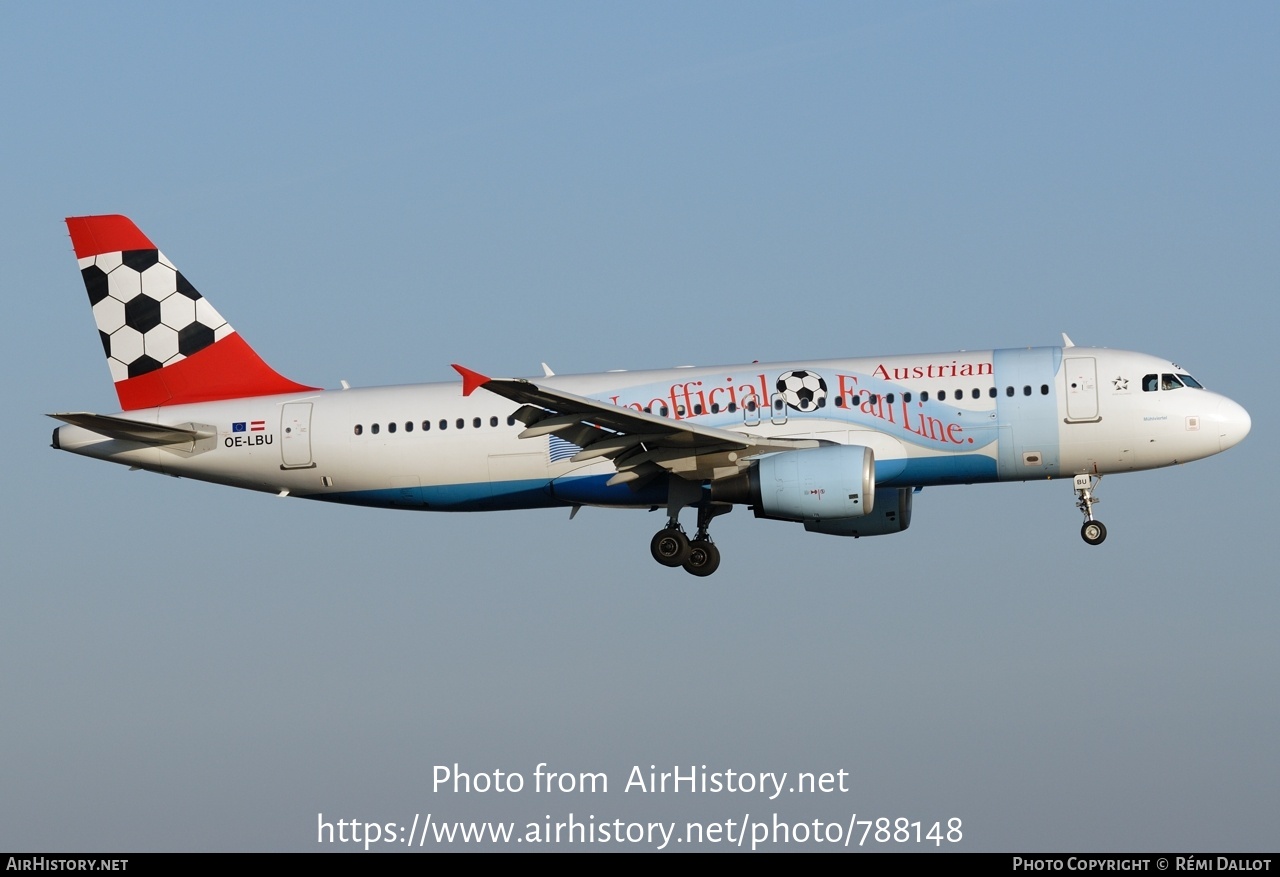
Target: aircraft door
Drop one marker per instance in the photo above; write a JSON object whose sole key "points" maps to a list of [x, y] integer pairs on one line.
{"points": [[1081, 375], [295, 435]]}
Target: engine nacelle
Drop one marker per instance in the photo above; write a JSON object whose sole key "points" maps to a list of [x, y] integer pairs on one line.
{"points": [[813, 485], [892, 514]]}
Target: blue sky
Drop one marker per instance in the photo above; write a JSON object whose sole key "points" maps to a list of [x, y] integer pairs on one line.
{"points": [[371, 195]]}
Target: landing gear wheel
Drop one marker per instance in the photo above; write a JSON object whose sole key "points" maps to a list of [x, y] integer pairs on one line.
{"points": [[703, 559], [670, 547], [1092, 532]]}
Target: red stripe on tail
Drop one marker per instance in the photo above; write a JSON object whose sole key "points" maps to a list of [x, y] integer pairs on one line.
{"points": [[227, 369], [95, 235]]}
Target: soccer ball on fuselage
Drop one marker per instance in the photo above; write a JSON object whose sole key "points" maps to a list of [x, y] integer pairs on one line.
{"points": [[802, 390]]}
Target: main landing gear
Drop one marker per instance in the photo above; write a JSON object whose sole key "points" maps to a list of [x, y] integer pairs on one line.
{"points": [[671, 547], [1092, 531], [699, 555]]}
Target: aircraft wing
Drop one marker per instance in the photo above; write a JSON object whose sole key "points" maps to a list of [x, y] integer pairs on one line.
{"points": [[641, 445], [133, 430]]}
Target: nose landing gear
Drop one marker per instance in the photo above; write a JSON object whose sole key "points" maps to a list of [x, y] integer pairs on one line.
{"points": [[1092, 531]]}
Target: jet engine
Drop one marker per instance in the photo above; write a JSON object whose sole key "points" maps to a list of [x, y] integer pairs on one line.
{"points": [[815, 485]]}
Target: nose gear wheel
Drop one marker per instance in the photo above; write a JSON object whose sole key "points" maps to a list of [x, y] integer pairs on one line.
{"points": [[1092, 531]]}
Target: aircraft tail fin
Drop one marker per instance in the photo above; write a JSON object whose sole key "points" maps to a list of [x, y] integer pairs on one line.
{"points": [[165, 343]]}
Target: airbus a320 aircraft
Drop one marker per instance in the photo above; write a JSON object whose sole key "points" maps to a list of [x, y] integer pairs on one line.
{"points": [[839, 446]]}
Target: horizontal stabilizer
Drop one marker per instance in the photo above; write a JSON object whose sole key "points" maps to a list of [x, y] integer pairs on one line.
{"points": [[132, 430]]}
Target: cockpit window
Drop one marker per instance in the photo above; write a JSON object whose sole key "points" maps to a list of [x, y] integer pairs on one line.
{"points": [[1167, 381]]}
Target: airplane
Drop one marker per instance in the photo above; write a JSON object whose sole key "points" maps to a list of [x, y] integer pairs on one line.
{"points": [[838, 445]]}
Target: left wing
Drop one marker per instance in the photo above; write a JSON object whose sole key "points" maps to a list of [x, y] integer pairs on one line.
{"points": [[641, 446]]}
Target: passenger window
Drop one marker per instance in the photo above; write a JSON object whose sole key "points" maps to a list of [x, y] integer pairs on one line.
{"points": [[1008, 391], [1026, 390], [906, 397], [493, 421], [374, 429], [444, 424], [992, 393], [1044, 389], [733, 407], [408, 426], [391, 427], [924, 397], [511, 421], [889, 398], [359, 429], [715, 407], [461, 423], [476, 423], [942, 395], [426, 425]]}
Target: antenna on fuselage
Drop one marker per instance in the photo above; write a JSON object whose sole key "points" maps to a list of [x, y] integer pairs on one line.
{"points": [[1067, 342]]}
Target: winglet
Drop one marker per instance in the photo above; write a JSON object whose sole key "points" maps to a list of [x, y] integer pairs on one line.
{"points": [[470, 379]]}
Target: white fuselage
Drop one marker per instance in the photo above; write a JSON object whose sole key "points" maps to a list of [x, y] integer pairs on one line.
{"points": [[964, 417]]}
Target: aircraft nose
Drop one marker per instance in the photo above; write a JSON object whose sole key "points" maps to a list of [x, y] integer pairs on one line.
{"points": [[1233, 424]]}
